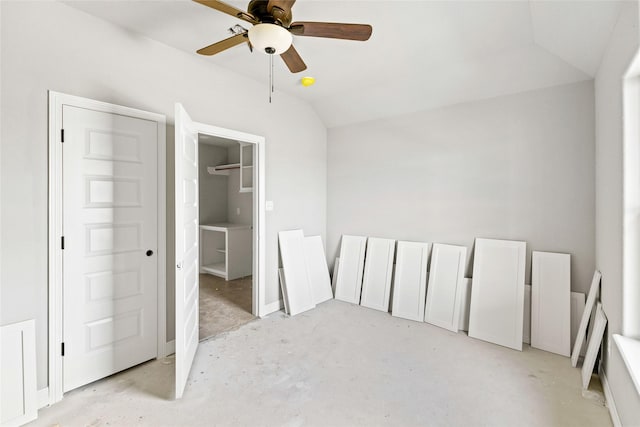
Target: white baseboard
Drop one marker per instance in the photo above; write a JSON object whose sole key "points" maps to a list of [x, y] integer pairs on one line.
{"points": [[272, 308], [170, 347], [611, 404], [43, 397]]}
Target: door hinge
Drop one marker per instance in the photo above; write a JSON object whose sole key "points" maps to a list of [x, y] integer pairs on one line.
{"points": [[61, 135], [62, 349], [62, 242]]}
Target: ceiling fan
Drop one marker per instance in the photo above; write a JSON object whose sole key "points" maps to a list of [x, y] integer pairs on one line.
{"points": [[272, 30]]}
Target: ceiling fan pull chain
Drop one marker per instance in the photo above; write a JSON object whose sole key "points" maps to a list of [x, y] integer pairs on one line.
{"points": [[270, 77]]}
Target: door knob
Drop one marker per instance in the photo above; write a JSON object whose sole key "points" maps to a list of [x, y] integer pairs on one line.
{"points": [[149, 252]]}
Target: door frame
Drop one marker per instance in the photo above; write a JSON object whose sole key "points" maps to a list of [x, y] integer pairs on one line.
{"points": [[258, 307], [55, 220]]}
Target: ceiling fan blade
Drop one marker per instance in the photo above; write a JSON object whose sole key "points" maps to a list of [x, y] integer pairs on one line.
{"points": [[229, 10], [224, 44], [332, 30], [293, 60]]}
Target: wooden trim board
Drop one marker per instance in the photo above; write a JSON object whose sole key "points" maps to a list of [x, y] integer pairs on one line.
{"points": [[349, 283], [410, 282], [582, 329], [296, 287], [317, 269], [444, 292], [497, 293], [551, 302], [378, 269]]}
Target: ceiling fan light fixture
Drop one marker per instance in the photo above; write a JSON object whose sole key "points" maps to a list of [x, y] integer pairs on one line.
{"points": [[271, 39]]}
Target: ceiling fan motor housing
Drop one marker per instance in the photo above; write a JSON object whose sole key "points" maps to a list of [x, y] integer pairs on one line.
{"points": [[277, 15]]}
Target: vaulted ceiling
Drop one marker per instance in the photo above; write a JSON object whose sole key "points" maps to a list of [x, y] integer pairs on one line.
{"points": [[422, 54]]}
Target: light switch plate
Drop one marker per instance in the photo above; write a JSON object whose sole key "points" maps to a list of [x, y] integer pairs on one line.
{"points": [[268, 205]]}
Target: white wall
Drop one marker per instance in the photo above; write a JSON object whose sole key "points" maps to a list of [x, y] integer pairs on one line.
{"points": [[50, 46], [622, 47], [238, 200], [212, 189], [514, 167]]}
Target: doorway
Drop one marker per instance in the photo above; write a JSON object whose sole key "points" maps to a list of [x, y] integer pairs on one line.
{"points": [[107, 240], [188, 254], [225, 190]]}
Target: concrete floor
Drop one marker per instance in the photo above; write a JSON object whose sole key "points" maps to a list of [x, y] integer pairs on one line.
{"points": [[224, 306], [341, 365]]}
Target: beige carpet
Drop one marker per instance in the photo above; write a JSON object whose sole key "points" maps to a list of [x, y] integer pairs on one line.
{"points": [[224, 306]]}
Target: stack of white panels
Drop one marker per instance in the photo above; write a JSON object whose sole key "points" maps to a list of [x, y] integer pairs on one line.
{"points": [[494, 306], [595, 340], [304, 277], [296, 288], [376, 286], [497, 292], [410, 282], [594, 291], [349, 281]]}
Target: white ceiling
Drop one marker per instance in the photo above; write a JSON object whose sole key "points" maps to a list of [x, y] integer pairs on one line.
{"points": [[422, 54]]}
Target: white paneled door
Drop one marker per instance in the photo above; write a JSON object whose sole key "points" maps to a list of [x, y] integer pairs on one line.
{"points": [[186, 188], [410, 281], [378, 269], [446, 284], [497, 293], [551, 302], [110, 243], [349, 281]]}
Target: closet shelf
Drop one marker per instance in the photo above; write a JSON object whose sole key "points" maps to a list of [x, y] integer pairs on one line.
{"points": [[226, 250], [222, 169]]}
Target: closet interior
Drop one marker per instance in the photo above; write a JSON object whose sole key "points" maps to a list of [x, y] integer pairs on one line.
{"points": [[225, 169]]}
